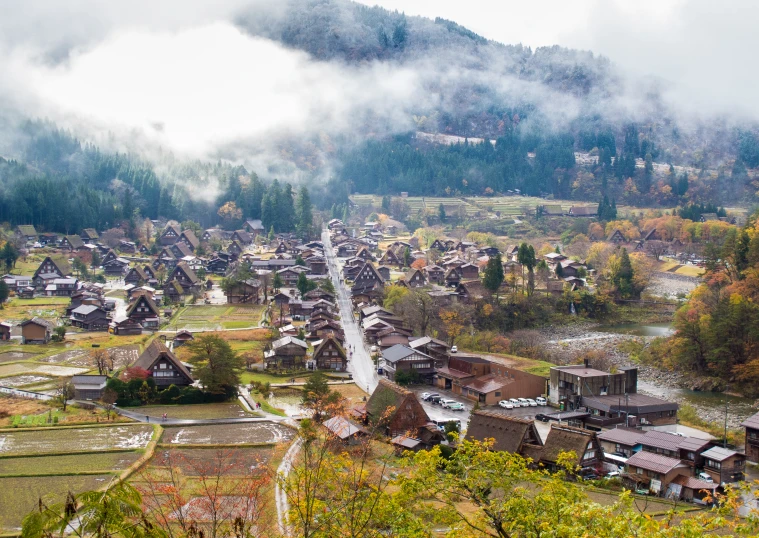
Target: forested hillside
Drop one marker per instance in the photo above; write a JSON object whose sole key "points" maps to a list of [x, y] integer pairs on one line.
{"points": [[564, 123]]}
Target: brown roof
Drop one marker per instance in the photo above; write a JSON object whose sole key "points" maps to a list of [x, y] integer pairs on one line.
{"points": [[565, 439], [447, 372], [388, 394], [191, 238], [663, 440], [621, 436], [653, 462], [694, 483], [156, 350], [340, 350], [149, 300], [488, 383], [509, 433]]}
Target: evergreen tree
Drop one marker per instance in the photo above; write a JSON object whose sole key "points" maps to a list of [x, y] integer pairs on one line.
{"points": [[441, 213], [494, 274], [304, 214], [276, 282], [286, 209], [4, 292], [217, 366], [305, 285]]}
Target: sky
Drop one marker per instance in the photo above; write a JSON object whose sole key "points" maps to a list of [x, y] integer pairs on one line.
{"points": [[178, 74]]}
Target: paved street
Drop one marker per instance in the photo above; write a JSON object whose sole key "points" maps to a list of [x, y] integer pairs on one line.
{"points": [[361, 364]]}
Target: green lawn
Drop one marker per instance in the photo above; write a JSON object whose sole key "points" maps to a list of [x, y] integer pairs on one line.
{"points": [[236, 324], [262, 377]]}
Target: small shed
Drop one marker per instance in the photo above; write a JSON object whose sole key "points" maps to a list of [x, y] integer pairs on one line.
{"points": [[182, 337], [89, 387]]}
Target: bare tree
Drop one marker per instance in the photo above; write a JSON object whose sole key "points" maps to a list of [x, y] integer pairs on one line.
{"points": [[228, 495], [108, 399], [112, 237], [656, 248], [64, 391], [418, 309], [102, 360]]}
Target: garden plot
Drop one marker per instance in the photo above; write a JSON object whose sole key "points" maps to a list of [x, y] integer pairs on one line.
{"points": [[46, 465], [17, 381], [12, 356], [199, 461], [210, 318], [52, 441], [11, 369], [65, 356], [19, 496], [124, 355], [55, 370], [228, 434]]}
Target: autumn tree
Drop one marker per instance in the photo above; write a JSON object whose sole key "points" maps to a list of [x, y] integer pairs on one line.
{"points": [[64, 391], [230, 213], [102, 360], [453, 323]]}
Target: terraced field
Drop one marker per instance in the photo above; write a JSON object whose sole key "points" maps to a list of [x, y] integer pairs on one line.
{"points": [[228, 434], [197, 411], [59, 440], [74, 464], [19, 496], [196, 461]]}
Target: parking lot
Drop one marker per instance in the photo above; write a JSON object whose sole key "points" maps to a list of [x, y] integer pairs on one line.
{"points": [[436, 412]]}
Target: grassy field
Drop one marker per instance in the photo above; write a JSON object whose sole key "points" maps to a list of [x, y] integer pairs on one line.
{"points": [[228, 434], [197, 411], [217, 317], [68, 440], [23, 412], [50, 308], [73, 464], [248, 377], [25, 493]]}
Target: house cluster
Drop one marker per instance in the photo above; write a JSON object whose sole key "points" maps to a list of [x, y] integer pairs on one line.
{"points": [[319, 344], [393, 412]]}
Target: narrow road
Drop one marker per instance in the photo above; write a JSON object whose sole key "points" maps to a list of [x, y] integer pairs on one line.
{"points": [[361, 365], [280, 494]]}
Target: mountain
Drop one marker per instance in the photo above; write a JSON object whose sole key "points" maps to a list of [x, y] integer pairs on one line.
{"points": [[559, 122]]}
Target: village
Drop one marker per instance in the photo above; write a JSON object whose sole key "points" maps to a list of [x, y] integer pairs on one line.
{"points": [[297, 307]]}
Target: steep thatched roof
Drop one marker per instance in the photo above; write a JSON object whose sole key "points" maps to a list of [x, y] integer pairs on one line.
{"points": [[509, 433]]}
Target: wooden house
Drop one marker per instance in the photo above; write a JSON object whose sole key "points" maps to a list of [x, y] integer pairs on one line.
{"points": [[124, 326], [189, 239], [90, 318], [163, 365], [343, 430], [27, 232], [182, 281], [330, 355], [5, 330], [116, 267], [180, 250], [235, 249], [390, 258], [144, 311], [48, 269], [434, 273], [136, 276], [510, 434], [254, 226], [415, 279], [72, 242], [438, 245], [89, 387], [752, 438], [36, 331], [244, 292], [565, 439], [170, 235], [182, 337], [401, 358], [616, 236], [395, 410], [89, 235], [725, 466], [287, 352], [654, 472]]}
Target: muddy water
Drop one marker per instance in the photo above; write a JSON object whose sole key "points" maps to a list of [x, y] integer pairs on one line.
{"points": [[287, 400]]}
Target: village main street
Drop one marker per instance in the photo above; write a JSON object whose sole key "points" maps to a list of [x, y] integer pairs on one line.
{"points": [[361, 364]]}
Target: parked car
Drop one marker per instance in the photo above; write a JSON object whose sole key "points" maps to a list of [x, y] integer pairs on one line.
{"points": [[705, 477], [541, 417], [523, 402], [435, 399], [515, 402], [506, 404], [531, 402], [456, 406], [447, 403], [373, 349], [590, 477], [427, 395], [613, 474], [454, 349], [541, 401]]}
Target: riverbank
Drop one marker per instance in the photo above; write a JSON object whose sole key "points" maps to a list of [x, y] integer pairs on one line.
{"points": [[568, 343]]}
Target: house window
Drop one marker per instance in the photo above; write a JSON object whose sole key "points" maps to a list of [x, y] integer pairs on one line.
{"points": [[713, 464], [589, 455], [497, 394], [163, 366]]}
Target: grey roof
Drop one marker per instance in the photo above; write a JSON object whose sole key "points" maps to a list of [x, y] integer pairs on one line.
{"points": [[342, 427], [621, 436], [89, 380], [653, 462], [85, 309], [399, 352], [288, 340], [719, 454], [751, 422], [633, 403]]}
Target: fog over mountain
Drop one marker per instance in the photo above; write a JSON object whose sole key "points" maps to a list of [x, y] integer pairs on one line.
{"points": [[239, 79]]}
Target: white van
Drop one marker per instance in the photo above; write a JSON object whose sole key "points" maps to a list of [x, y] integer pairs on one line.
{"points": [[446, 402], [541, 401]]}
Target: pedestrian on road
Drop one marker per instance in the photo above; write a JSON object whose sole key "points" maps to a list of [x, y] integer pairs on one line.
{"points": [[164, 417], [147, 418]]}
